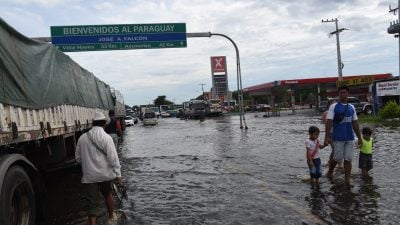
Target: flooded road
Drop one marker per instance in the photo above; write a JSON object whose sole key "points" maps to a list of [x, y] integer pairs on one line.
{"points": [[212, 172]]}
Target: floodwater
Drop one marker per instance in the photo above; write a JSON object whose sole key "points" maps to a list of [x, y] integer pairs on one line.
{"points": [[212, 172]]}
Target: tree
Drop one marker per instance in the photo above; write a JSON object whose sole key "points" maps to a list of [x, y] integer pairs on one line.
{"points": [[161, 100]]}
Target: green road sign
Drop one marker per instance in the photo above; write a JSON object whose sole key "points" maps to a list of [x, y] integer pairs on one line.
{"points": [[119, 37]]}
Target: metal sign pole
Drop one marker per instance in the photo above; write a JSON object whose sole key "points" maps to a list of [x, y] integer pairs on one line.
{"points": [[239, 81], [238, 71]]}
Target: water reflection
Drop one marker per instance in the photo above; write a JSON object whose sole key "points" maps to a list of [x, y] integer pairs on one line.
{"points": [[341, 204], [317, 201]]}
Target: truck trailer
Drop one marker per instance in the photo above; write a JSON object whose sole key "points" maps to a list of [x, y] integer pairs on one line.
{"points": [[46, 102]]}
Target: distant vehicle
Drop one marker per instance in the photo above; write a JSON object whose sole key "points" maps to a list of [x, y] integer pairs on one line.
{"points": [[165, 114], [149, 118], [179, 113], [129, 121], [156, 110], [360, 106], [251, 108], [185, 109], [323, 106], [229, 105], [214, 107], [263, 107], [167, 110], [197, 109]]}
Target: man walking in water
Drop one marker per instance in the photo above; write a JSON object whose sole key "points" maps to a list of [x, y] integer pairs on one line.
{"points": [[342, 117], [113, 128], [96, 152]]}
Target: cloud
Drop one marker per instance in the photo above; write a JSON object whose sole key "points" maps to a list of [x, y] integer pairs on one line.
{"points": [[44, 3], [277, 39]]}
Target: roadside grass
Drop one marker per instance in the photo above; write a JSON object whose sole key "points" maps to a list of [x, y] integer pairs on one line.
{"points": [[375, 119], [369, 119]]}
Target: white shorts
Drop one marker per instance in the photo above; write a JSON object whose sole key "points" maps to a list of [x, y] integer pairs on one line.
{"points": [[343, 150]]}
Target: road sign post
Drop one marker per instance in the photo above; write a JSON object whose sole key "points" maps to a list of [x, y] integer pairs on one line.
{"points": [[119, 37]]}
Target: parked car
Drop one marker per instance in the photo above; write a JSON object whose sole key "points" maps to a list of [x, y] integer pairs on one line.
{"points": [[263, 107], [251, 108], [129, 121], [360, 106], [165, 114], [323, 105]]}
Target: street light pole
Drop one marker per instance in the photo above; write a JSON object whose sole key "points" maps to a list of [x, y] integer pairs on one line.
{"points": [[239, 81], [238, 73]]}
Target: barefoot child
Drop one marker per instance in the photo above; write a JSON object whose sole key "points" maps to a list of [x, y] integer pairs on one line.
{"points": [[313, 160], [365, 158]]}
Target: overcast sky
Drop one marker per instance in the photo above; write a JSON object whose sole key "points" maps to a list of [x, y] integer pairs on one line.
{"points": [[277, 40]]}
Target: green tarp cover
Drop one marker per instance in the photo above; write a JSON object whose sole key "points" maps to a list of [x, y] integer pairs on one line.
{"points": [[37, 75]]}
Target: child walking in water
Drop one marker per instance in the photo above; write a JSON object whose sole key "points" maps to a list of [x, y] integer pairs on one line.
{"points": [[313, 160], [365, 158]]}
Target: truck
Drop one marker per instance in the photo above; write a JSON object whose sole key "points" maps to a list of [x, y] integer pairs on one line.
{"points": [[197, 109], [46, 102], [214, 107]]}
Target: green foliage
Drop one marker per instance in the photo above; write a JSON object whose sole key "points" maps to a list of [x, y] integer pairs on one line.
{"points": [[160, 100], [390, 110]]}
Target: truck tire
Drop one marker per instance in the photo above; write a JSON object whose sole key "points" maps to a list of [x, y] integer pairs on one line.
{"points": [[368, 110], [17, 198]]}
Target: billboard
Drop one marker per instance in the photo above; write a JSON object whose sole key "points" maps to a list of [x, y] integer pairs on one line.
{"points": [[388, 88], [218, 64], [355, 81]]}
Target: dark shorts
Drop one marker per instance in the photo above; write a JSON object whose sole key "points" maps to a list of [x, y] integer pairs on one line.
{"points": [[365, 161], [92, 195], [317, 164]]}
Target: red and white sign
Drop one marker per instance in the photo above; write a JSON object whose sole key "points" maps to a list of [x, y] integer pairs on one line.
{"points": [[218, 64], [388, 88]]}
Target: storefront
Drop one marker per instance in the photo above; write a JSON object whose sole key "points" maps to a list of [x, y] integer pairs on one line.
{"points": [[385, 91]]}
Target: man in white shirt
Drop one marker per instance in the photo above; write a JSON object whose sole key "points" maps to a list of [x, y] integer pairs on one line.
{"points": [[96, 152]]}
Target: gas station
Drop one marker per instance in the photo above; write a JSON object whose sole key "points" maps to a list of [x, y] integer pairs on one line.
{"points": [[322, 88]]}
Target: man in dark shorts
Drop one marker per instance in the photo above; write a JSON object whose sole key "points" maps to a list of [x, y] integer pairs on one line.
{"points": [[96, 152]]}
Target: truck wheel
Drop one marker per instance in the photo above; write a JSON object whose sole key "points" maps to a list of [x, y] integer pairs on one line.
{"points": [[368, 110], [17, 198]]}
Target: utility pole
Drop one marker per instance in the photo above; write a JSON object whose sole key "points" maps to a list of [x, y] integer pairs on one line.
{"points": [[337, 31], [202, 89], [395, 28]]}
